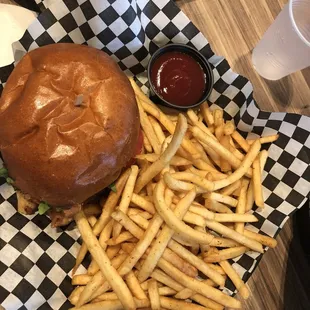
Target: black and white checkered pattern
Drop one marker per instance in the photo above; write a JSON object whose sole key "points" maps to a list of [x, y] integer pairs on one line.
{"points": [[35, 260]]}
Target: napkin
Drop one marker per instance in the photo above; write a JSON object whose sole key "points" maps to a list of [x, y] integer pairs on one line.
{"points": [[36, 260]]}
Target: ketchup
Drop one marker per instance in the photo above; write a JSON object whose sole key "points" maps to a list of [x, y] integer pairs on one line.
{"points": [[178, 78]]}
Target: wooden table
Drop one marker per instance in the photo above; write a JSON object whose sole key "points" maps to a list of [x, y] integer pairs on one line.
{"points": [[233, 28]]}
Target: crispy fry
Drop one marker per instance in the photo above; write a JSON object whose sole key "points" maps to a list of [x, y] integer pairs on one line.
{"points": [[113, 305], [104, 236], [146, 143], [266, 139], [134, 286], [104, 263], [207, 114], [225, 254], [173, 222], [81, 279], [104, 218], [235, 278], [198, 286], [263, 155], [230, 233], [216, 206], [148, 129], [175, 160], [265, 240], [231, 188], [229, 128], [174, 304], [257, 184], [222, 198], [241, 141], [124, 236], [165, 157], [152, 109], [126, 197], [222, 151], [218, 117], [225, 141], [240, 209], [164, 237], [154, 295]]}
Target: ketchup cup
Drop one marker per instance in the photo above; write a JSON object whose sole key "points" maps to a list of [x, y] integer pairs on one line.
{"points": [[180, 77]]}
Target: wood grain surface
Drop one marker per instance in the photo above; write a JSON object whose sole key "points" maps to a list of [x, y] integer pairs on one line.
{"points": [[233, 28]]}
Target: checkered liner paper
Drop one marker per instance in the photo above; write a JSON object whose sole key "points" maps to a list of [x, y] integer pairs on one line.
{"points": [[36, 260]]}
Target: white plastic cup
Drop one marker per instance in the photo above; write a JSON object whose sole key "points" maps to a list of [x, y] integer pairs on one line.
{"points": [[285, 46]]}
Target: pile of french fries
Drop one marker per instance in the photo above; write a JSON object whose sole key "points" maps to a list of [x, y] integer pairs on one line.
{"points": [[163, 240]]}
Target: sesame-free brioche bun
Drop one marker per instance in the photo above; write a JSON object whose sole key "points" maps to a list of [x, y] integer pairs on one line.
{"points": [[69, 123]]}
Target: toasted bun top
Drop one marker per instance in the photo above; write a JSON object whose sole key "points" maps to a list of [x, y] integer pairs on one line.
{"points": [[58, 152]]}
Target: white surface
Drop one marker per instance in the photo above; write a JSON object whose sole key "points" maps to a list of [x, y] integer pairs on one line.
{"points": [[14, 21], [285, 47]]}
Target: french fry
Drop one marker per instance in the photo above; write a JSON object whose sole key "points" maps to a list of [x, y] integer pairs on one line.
{"points": [[104, 236], [240, 209], [165, 157], [113, 305], [164, 237], [265, 240], [126, 197], [241, 141], [207, 114], [143, 203], [216, 146], [178, 185], [229, 128], [104, 263], [216, 206], [230, 233], [263, 155], [154, 295], [81, 279], [222, 198], [225, 254], [174, 304], [151, 108], [123, 237], [225, 141], [195, 121], [218, 117], [173, 222], [198, 286], [231, 188], [184, 294], [157, 129], [134, 286], [148, 129], [266, 139], [243, 168], [219, 132], [235, 278], [75, 295], [146, 143], [257, 184], [170, 282], [92, 220], [175, 160], [104, 218]]}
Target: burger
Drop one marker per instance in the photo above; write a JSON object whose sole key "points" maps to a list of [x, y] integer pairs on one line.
{"points": [[69, 124]]}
